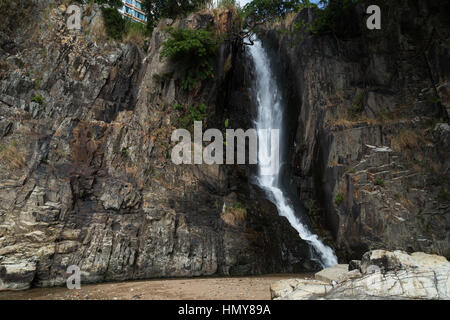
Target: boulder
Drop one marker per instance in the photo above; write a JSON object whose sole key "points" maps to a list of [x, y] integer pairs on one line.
{"points": [[332, 273], [385, 275], [349, 275], [299, 289], [17, 276], [283, 288], [403, 284], [400, 260]]}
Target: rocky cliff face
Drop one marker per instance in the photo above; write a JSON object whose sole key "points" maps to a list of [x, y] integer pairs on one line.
{"points": [[86, 177], [370, 147]]}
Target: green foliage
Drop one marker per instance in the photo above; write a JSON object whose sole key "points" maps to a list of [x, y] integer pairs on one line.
{"points": [[111, 3], [192, 51], [38, 99], [178, 106], [157, 9], [193, 76], [379, 182], [117, 27], [227, 123], [339, 198], [124, 152], [226, 3], [190, 114], [336, 16], [299, 26], [132, 26], [239, 205], [114, 23], [135, 31], [259, 11], [37, 84], [162, 77], [198, 113]]}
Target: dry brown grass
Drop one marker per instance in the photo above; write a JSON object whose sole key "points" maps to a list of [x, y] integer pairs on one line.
{"points": [[135, 37], [131, 170], [346, 123], [407, 140], [290, 17], [11, 156], [234, 216], [407, 203], [228, 64], [283, 22], [223, 20]]}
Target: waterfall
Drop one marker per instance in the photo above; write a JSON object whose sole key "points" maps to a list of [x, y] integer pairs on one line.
{"points": [[270, 111]]}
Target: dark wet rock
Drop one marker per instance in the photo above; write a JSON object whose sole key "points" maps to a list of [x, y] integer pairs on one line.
{"points": [[367, 157], [354, 265]]}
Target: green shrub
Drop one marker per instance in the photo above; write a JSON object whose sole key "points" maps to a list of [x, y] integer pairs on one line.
{"points": [[379, 182], [258, 11], [114, 23], [190, 114], [135, 32], [38, 99], [239, 205], [336, 17], [178, 106], [157, 9], [193, 52], [339, 198], [226, 4], [37, 84], [198, 113]]}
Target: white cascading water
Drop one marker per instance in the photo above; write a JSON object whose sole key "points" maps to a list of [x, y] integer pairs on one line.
{"points": [[270, 117]]}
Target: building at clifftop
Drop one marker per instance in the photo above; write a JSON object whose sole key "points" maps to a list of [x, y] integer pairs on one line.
{"points": [[133, 9]]}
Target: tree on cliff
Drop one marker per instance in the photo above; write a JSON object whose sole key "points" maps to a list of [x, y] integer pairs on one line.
{"points": [[157, 9], [336, 16], [259, 11]]}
